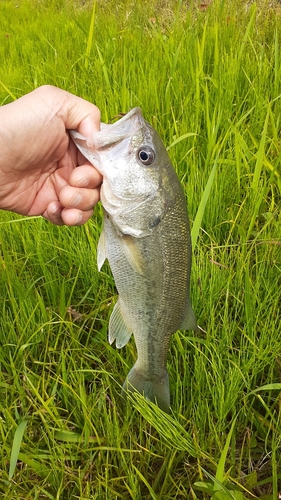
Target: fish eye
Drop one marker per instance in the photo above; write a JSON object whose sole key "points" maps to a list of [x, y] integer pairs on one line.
{"points": [[146, 155]]}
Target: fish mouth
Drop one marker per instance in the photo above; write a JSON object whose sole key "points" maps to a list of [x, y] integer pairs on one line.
{"points": [[112, 134], [112, 140], [133, 112], [127, 116]]}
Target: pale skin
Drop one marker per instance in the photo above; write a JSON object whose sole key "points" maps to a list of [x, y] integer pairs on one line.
{"points": [[41, 170]]}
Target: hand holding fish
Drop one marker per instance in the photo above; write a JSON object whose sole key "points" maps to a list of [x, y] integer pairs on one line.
{"points": [[41, 170]]}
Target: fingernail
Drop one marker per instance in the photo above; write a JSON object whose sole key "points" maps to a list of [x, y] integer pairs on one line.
{"points": [[75, 200], [78, 220], [83, 182], [56, 212]]}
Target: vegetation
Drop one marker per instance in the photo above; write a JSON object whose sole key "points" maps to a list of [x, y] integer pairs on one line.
{"points": [[209, 80]]}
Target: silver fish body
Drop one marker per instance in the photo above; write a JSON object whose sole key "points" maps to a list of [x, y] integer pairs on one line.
{"points": [[146, 239]]}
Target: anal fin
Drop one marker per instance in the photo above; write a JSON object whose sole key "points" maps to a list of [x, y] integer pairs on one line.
{"points": [[118, 329]]}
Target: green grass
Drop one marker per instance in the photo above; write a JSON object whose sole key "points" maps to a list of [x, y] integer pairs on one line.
{"points": [[210, 82]]}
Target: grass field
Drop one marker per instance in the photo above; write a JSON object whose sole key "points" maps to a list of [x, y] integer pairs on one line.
{"points": [[210, 82]]}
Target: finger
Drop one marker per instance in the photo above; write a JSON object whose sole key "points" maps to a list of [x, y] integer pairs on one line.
{"points": [[79, 198], [82, 160], [85, 176], [75, 217], [53, 213]]}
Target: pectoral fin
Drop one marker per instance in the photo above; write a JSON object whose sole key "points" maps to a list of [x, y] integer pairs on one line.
{"points": [[133, 254], [117, 329], [101, 251]]}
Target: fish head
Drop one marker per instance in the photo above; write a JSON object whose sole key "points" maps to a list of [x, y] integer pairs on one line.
{"points": [[136, 170]]}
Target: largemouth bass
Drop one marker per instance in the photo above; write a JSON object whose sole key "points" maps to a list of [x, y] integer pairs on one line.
{"points": [[146, 239]]}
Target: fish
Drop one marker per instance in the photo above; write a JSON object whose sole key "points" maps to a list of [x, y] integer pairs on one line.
{"points": [[146, 240]]}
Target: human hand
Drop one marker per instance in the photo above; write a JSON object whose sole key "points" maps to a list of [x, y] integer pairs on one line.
{"points": [[41, 170]]}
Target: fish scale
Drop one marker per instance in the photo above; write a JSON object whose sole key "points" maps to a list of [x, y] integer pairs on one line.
{"points": [[146, 239]]}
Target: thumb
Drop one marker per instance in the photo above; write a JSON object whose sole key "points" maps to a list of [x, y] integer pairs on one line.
{"points": [[90, 124], [81, 115], [76, 113]]}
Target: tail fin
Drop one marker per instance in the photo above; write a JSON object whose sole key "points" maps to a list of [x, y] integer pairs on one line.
{"points": [[155, 390]]}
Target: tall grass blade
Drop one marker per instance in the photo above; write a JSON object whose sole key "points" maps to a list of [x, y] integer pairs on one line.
{"points": [[38, 468], [180, 139], [276, 64], [104, 67], [260, 154], [202, 205], [90, 36], [248, 301], [16, 447], [151, 492], [247, 32], [267, 387], [219, 486], [8, 90], [167, 426], [220, 474]]}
